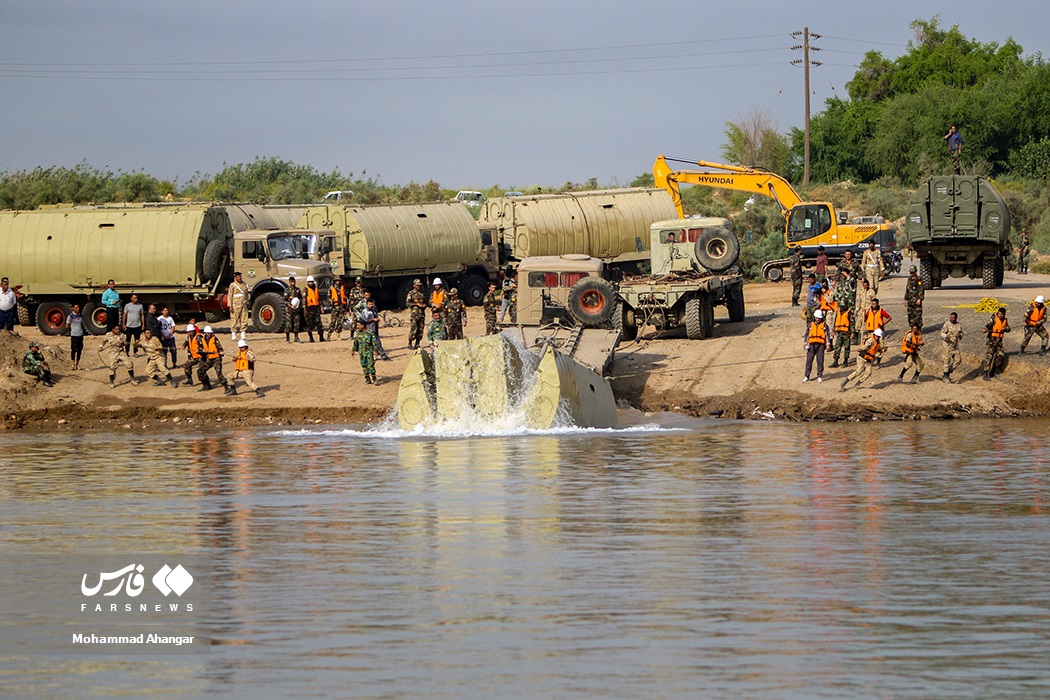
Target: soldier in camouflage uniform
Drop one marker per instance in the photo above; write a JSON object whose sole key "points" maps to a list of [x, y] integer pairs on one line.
{"points": [[33, 363], [849, 268], [796, 275], [861, 303], [455, 315], [1022, 253], [1034, 319], [355, 298], [211, 356], [914, 293], [842, 325], [436, 330], [365, 346], [112, 352], [337, 295], [417, 305], [994, 331], [951, 334], [294, 298], [490, 303], [155, 351]]}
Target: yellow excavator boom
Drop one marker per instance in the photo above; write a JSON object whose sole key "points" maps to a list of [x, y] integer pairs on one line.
{"points": [[730, 177]]}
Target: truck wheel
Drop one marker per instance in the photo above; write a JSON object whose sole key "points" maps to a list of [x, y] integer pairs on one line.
{"points": [[216, 259], [591, 302], [988, 272], [1000, 270], [735, 303], [699, 317], [926, 273], [472, 289], [717, 249], [94, 318], [26, 313], [774, 274], [214, 317], [403, 289], [707, 315], [269, 313], [51, 317], [624, 322]]}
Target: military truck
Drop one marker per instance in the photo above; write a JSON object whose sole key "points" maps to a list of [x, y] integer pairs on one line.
{"points": [[181, 257], [390, 245], [959, 226], [612, 225], [693, 263]]}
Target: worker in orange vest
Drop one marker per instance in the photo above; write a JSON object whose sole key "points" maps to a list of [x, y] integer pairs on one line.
{"points": [[816, 344], [994, 330], [910, 345]]}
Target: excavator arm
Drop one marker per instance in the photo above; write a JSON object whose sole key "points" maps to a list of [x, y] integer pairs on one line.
{"points": [[730, 177]]}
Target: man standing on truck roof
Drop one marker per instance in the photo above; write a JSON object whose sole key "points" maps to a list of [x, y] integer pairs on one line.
{"points": [[995, 331], [873, 266], [914, 294], [489, 303], [795, 271], [951, 334], [8, 306], [1034, 319], [417, 307], [294, 299], [455, 316], [954, 139], [237, 295], [112, 351], [312, 296], [111, 302]]}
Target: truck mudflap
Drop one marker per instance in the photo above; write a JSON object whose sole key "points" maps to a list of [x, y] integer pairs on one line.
{"points": [[497, 380]]}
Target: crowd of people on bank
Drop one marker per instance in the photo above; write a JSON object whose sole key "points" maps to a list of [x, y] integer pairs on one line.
{"points": [[843, 309]]}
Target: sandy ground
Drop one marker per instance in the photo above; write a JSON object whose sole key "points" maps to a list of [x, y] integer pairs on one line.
{"points": [[748, 370]]}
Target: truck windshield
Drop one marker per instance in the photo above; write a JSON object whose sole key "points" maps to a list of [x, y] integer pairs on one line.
{"points": [[293, 246]]}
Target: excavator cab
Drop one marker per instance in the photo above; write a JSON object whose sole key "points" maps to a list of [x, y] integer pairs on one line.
{"points": [[808, 221]]}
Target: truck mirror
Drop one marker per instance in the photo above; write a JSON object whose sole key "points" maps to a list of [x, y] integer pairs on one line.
{"points": [[261, 256]]}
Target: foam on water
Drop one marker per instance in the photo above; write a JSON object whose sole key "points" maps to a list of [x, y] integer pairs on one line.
{"points": [[388, 430]]}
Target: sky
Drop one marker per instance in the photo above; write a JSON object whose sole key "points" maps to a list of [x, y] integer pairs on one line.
{"points": [[470, 94]]}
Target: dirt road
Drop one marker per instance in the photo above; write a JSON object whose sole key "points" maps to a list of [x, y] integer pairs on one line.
{"points": [[748, 370]]}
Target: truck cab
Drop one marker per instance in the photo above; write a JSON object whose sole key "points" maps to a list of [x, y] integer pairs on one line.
{"points": [[267, 258], [552, 276]]}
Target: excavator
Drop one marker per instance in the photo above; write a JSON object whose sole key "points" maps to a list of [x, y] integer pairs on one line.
{"points": [[808, 224]]}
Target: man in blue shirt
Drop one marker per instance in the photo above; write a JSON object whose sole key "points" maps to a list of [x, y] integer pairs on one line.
{"points": [[111, 300], [954, 139]]}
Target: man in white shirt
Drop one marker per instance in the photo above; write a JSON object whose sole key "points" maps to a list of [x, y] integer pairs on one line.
{"points": [[8, 306]]}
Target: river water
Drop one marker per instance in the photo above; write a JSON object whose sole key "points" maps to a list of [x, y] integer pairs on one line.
{"points": [[673, 558]]}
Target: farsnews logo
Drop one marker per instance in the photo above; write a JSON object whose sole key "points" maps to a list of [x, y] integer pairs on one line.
{"points": [[130, 579]]}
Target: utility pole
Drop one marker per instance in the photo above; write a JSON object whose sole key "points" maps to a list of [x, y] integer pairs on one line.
{"points": [[805, 62]]}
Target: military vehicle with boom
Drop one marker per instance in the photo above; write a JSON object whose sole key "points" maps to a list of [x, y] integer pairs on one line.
{"points": [[960, 227]]}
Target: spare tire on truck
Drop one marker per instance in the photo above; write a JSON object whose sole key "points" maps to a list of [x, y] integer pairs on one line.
{"points": [[216, 259], [717, 249], [592, 302]]}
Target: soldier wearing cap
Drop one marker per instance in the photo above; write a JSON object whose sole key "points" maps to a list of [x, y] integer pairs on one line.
{"points": [[951, 334], [211, 356], [34, 363], [294, 298], [417, 306], [455, 315], [436, 330], [113, 353], [914, 293], [155, 351], [238, 299], [872, 265], [366, 343], [869, 352], [354, 297], [1034, 319], [490, 304], [795, 272], [243, 368], [312, 300]]}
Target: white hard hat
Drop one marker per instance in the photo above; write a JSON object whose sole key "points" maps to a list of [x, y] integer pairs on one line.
{"points": [[207, 329], [1039, 299], [242, 343], [818, 314], [309, 278], [878, 332], [437, 281], [190, 327], [295, 302]]}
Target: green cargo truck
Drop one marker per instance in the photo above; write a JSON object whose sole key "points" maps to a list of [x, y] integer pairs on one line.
{"points": [[959, 226], [181, 257]]}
